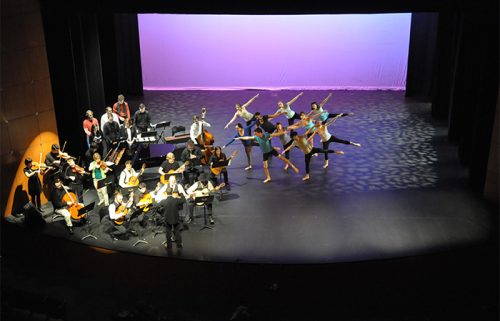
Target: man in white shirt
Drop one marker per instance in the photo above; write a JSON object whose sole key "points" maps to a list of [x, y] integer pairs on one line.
{"points": [[197, 126]]}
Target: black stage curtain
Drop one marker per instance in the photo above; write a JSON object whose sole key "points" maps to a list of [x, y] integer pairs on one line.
{"points": [[421, 54], [92, 58], [466, 86]]}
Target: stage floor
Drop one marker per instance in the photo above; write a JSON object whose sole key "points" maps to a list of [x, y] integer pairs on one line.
{"points": [[403, 193]]}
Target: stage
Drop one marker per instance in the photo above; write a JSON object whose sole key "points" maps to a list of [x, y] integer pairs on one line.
{"points": [[403, 193]]}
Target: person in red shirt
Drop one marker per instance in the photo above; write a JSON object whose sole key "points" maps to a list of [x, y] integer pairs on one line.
{"points": [[121, 108], [88, 123]]}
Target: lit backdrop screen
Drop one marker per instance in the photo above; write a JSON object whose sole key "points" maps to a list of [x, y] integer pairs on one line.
{"points": [[274, 51]]}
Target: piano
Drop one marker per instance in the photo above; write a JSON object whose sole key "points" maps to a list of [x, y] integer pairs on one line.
{"points": [[177, 139]]}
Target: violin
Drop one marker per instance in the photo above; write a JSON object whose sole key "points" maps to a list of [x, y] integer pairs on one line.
{"points": [[79, 170], [40, 166], [102, 165], [65, 155]]}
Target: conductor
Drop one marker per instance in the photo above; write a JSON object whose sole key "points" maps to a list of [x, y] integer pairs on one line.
{"points": [[171, 206]]}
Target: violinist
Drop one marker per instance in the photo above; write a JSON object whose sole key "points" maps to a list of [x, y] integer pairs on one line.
{"points": [[192, 155], [96, 137], [34, 185], [74, 178], [60, 206], [118, 211], [53, 161], [98, 168]]}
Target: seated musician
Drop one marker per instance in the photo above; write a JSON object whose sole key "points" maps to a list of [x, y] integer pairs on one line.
{"points": [[129, 134], [192, 156], [61, 206], [217, 157], [127, 173], [170, 167], [202, 187], [74, 178], [119, 214], [159, 193], [142, 202]]}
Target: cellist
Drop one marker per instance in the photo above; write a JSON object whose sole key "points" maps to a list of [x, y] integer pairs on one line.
{"points": [[61, 206], [197, 127]]}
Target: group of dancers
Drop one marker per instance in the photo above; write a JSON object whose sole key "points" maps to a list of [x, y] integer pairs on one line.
{"points": [[181, 181]]}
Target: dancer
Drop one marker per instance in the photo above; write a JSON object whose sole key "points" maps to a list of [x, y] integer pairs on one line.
{"points": [[241, 111], [285, 109], [247, 145], [327, 138], [323, 114], [264, 141], [264, 122], [309, 150], [285, 139]]}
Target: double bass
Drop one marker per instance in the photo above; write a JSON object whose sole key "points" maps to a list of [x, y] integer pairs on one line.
{"points": [[75, 206], [206, 140]]}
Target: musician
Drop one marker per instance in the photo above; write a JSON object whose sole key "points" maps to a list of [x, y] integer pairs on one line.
{"points": [[191, 154], [60, 206], [104, 118], [53, 161], [142, 120], [121, 109], [170, 209], [127, 173], [88, 123], [34, 184], [169, 165], [197, 126], [96, 137], [73, 176], [129, 133], [202, 187], [118, 210], [111, 131], [98, 168], [217, 157]]}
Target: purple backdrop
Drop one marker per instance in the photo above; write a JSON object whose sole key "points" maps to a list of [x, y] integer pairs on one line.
{"points": [[274, 52]]}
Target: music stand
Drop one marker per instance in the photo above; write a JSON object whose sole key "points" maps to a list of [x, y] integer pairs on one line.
{"points": [[204, 200], [162, 125], [84, 210], [219, 164], [133, 215]]}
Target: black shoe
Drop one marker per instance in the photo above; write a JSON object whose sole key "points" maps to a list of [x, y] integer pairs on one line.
{"points": [[179, 245], [70, 228], [211, 219], [40, 209], [168, 246], [228, 187]]}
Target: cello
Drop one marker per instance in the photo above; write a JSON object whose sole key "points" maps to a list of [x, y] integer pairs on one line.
{"points": [[75, 206], [205, 139]]}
